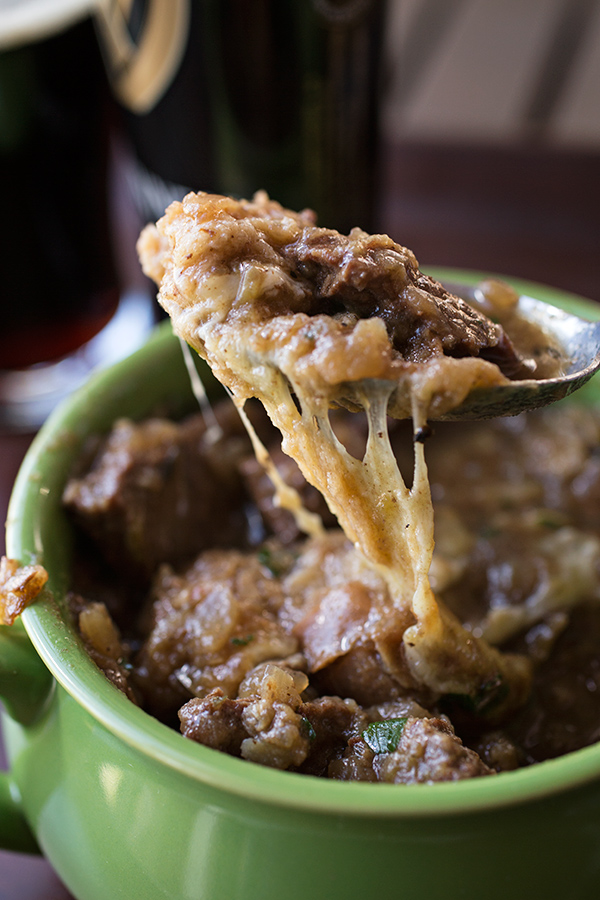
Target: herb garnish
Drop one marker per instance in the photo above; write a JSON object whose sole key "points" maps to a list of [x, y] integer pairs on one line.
{"points": [[310, 731], [274, 562], [483, 701], [384, 736], [242, 642]]}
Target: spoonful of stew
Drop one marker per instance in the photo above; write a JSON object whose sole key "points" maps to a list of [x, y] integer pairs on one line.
{"points": [[342, 311]]}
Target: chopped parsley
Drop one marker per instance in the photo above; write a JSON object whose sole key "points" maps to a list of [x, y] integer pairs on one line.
{"points": [[308, 728], [484, 700], [548, 518], [276, 563], [384, 736], [242, 642]]}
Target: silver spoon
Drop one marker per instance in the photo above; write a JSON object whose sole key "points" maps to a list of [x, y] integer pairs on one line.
{"points": [[578, 338]]}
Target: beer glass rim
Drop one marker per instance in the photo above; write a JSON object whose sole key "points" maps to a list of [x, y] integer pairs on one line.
{"points": [[27, 21]]}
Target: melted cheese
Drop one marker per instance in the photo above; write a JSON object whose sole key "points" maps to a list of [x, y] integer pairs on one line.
{"points": [[239, 315]]}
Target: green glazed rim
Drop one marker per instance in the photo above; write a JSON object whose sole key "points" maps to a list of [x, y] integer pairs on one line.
{"points": [[37, 530]]}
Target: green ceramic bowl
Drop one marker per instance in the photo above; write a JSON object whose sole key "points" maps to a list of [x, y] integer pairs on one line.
{"points": [[123, 807]]}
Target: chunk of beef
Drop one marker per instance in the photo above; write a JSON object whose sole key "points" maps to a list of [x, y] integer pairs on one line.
{"points": [[427, 751], [270, 723], [359, 673], [263, 724], [498, 751], [349, 629], [332, 722], [208, 627], [158, 492], [215, 721], [367, 275], [276, 519]]}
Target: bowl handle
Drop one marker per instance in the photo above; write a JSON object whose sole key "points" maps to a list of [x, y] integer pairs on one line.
{"points": [[25, 682], [25, 687], [15, 833]]}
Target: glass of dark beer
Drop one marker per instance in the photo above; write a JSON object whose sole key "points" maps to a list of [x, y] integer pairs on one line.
{"points": [[233, 96], [59, 288]]}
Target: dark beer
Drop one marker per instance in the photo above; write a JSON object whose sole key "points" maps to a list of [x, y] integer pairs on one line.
{"points": [[232, 96], [58, 284]]}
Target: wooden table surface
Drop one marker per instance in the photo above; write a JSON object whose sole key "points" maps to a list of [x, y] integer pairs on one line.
{"points": [[525, 211]]}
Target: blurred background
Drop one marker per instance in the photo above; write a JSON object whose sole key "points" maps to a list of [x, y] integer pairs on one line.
{"points": [[488, 120], [491, 128], [486, 132]]}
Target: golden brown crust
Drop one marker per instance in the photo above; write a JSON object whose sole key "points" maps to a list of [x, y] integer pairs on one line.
{"points": [[329, 309]]}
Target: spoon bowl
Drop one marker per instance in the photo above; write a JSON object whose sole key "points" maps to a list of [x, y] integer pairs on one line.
{"points": [[578, 337]]}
